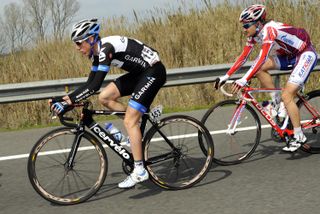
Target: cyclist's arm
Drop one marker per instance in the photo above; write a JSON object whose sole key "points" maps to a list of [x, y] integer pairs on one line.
{"points": [[268, 42], [241, 59], [96, 77], [263, 55], [94, 69], [89, 88]]}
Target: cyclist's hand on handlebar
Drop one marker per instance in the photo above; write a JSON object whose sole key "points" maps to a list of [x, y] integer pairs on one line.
{"points": [[221, 81], [238, 84], [54, 100], [60, 104], [59, 107]]}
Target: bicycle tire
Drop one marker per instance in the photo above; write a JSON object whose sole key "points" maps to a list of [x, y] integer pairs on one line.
{"points": [[229, 150], [313, 136], [184, 166], [54, 147]]}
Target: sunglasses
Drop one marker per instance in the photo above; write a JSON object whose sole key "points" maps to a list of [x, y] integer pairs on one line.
{"points": [[247, 25], [78, 43]]}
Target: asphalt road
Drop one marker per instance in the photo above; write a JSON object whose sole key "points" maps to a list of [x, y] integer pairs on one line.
{"points": [[271, 181]]}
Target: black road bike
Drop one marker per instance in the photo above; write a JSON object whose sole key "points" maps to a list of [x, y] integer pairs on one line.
{"points": [[68, 165]]}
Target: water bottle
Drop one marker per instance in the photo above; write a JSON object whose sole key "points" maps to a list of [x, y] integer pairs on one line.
{"points": [[114, 131], [126, 142]]}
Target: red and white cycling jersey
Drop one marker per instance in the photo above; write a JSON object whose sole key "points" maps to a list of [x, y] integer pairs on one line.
{"points": [[276, 39]]}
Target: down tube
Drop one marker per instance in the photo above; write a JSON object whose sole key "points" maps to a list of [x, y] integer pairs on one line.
{"points": [[111, 142]]}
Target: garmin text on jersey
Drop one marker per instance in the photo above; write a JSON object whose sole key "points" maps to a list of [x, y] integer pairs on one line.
{"points": [[136, 60]]}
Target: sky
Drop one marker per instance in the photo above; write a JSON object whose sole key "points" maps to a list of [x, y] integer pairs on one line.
{"points": [[104, 9], [110, 8]]}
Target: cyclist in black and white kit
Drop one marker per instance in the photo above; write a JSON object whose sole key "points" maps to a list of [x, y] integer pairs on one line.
{"points": [[146, 75]]}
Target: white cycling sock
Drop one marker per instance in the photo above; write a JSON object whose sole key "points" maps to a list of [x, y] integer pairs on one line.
{"points": [[138, 167], [298, 134]]}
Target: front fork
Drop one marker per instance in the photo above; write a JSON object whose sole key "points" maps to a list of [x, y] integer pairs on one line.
{"points": [[78, 131], [235, 120]]}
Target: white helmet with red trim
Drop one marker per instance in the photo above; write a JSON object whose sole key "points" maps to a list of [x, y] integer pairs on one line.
{"points": [[256, 12]]}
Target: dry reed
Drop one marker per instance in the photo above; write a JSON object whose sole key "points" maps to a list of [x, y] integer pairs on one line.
{"points": [[184, 37]]}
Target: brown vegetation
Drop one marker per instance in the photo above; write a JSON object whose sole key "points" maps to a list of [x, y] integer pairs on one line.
{"points": [[196, 37]]}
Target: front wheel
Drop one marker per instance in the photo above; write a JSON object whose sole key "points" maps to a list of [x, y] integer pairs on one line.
{"points": [[173, 155], [232, 144], [58, 182]]}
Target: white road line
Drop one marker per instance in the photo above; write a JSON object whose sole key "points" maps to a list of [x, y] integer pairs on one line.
{"points": [[21, 156], [14, 157]]}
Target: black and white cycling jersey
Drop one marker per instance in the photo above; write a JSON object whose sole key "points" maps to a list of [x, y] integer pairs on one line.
{"points": [[128, 54], [145, 77]]}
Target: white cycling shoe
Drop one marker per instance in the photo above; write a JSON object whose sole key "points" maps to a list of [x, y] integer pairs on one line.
{"points": [[133, 179], [295, 144]]}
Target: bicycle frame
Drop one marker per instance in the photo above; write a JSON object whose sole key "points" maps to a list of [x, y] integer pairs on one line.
{"points": [[313, 111], [87, 121], [246, 96], [240, 132]]}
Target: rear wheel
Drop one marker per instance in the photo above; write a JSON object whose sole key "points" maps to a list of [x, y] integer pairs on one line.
{"points": [[173, 155], [310, 121]]}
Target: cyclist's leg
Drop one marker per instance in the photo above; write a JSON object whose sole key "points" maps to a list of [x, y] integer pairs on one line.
{"points": [[280, 63], [288, 95], [147, 86], [297, 79], [305, 63], [109, 96], [122, 86], [131, 123], [265, 78], [145, 91]]}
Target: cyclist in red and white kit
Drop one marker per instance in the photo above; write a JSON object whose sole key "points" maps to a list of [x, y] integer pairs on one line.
{"points": [[283, 47]]}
